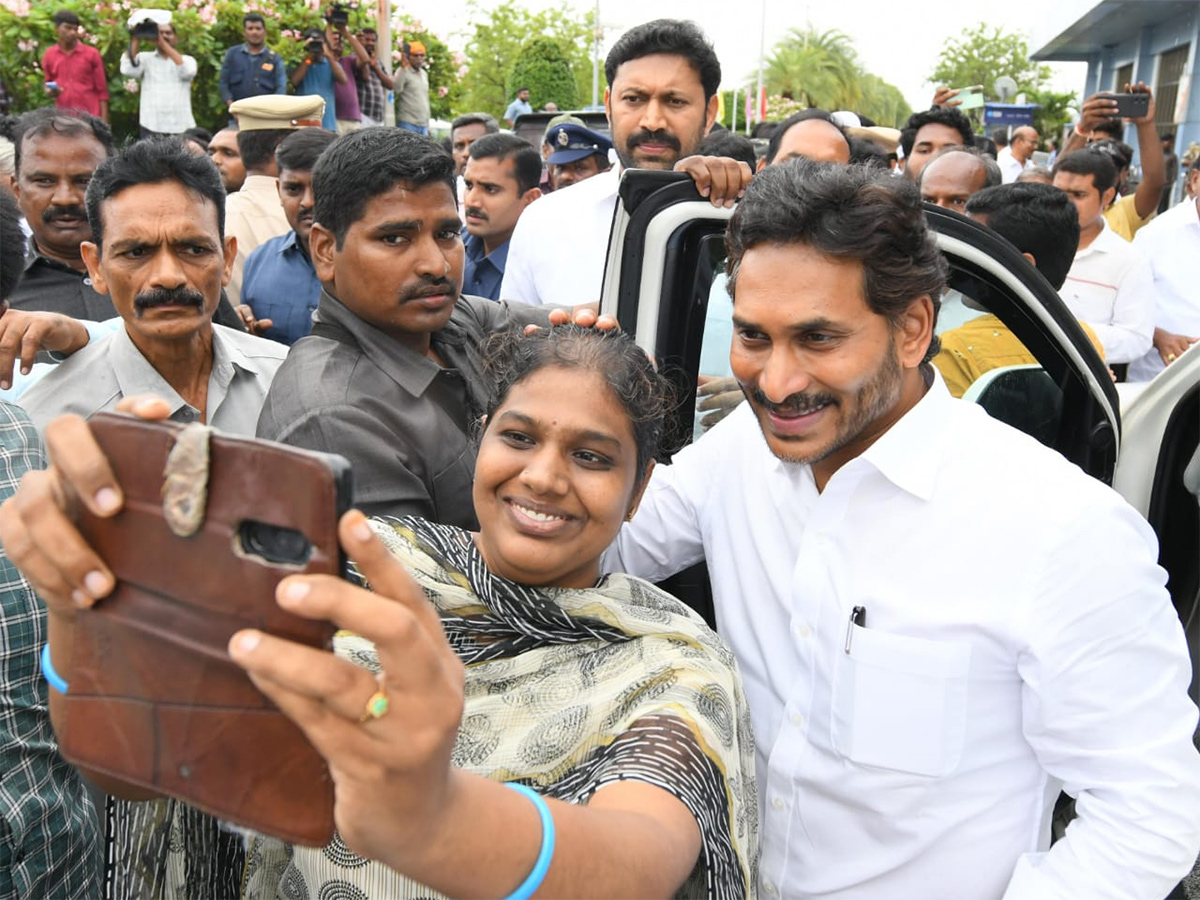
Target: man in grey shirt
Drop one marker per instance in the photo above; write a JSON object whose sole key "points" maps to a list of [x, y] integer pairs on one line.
{"points": [[412, 91], [391, 376], [159, 251]]}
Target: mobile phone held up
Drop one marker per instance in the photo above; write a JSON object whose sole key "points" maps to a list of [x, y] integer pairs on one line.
{"points": [[970, 97], [1129, 106], [210, 526]]}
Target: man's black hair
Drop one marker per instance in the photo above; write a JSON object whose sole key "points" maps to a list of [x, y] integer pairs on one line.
{"points": [[1038, 219], [12, 244], [1113, 127], [1120, 152], [367, 29], [489, 123], [298, 152], [253, 17], [939, 115], [726, 143], [68, 123], [367, 163], [1000, 137], [522, 89], [845, 212], [199, 135], [153, 161], [869, 153], [257, 147], [1098, 164], [527, 162], [805, 115], [674, 37], [65, 17]]}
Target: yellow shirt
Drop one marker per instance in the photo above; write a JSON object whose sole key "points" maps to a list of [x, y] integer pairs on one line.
{"points": [[1123, 218], [983, 344]]}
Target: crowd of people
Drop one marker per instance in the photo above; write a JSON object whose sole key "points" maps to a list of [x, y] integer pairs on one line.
{"points": [[511, 707]]}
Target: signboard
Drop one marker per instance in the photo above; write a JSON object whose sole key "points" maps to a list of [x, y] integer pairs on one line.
{"points": [[1007, 115]]}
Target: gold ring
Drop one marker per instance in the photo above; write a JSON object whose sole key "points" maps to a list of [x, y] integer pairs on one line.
{"points": [[377, 706], [1170, 357]]}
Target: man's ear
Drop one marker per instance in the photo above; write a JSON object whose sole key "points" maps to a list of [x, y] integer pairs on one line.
{"points": [[915, 332], [230, 258], [608, 106], [1107, 198], [530, 195], [321, 247], [91, 258], [1032, 259], [710, 114]]}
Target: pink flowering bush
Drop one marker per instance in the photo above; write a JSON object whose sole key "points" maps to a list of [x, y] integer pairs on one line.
{"points": [[206, 30]]}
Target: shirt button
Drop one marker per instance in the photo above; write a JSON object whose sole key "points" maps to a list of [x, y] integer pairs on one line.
{"points": [[88, 282], [769, 888], [778, 803], [797, 719], [803, 631]]}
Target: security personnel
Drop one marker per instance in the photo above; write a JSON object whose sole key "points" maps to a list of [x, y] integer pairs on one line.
{"points": [[254, 214], [579, 153]]}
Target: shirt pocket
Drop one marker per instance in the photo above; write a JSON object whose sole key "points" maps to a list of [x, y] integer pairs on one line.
{"points": [[900, 702]]}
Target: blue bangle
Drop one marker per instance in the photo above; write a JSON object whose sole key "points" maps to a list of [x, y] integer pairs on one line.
{"points": [[534, 881], [52, 677]]}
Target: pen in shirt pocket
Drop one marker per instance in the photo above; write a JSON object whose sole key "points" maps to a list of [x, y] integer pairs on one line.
{"points": [[858, 616]]}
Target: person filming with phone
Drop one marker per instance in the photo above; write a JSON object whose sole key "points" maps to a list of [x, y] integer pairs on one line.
{"points": [[165, 73]]}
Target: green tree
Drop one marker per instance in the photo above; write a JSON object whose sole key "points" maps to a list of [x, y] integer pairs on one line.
{"points": [[984, 53], [815, 68], [495, 45], [883, 102], [544, 68]]}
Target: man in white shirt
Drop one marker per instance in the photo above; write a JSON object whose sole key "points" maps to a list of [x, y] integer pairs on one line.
{"points": [[939, 622], [661, 102], [1171, 244], [166, 75], [1020, 149], [1110, 286]]}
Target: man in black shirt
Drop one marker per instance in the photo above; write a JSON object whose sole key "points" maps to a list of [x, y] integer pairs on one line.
{"points": [[56, 153], [391, 376]]}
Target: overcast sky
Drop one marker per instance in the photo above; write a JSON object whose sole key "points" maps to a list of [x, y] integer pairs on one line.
{"points": [[899, 41]]}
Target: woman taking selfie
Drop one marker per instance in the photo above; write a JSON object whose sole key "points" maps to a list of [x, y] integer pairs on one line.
{"points": [[499, 719]]}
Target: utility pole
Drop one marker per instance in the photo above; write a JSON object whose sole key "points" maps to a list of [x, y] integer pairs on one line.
{"points": [[596, 55]]}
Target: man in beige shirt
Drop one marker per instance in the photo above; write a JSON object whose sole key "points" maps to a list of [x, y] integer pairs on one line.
{"points": [[254, 214]]}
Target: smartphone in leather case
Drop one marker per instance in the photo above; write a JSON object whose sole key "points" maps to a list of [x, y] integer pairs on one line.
{"points": [[210, 526]]}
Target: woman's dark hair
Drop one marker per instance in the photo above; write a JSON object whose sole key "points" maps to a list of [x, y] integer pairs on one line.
{"points": [[673, 37], [301, 149], [367, 163], [509, 357], [153, 161], [846, 212]]}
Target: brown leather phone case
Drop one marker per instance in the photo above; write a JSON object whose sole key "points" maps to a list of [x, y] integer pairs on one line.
{"points": [[154, 698]]}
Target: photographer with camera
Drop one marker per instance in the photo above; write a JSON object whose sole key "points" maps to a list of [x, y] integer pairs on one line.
{"points": [[412, 89], [316, 75], [337, 35], [166, 76]]}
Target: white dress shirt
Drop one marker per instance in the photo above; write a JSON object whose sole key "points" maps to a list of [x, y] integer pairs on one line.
{"points": [[166, 103], [1171, 244], [1010, 167], [557, 252], [1017, 637], [1111, 288]]}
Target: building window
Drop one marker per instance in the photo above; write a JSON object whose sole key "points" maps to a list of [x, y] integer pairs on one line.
{"points": [[1166, 92]]}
